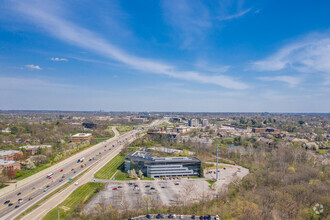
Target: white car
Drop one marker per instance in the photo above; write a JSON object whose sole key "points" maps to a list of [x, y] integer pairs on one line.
{"points": [[76, 183], [174, 216]]}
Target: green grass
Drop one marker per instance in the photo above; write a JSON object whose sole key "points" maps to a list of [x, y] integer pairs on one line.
{"points": [[80, 196], [211, 182], [110, 168], [123, 129], [3, 186], [120, 175]]}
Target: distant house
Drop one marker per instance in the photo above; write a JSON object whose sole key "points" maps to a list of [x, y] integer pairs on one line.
{"points": [[9, 165], [10, 154], [81, 137], [7, 130], [33, 149]]}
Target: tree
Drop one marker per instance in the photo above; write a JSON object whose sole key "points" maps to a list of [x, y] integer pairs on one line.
{"points": [[140, 174], [11, 173]]}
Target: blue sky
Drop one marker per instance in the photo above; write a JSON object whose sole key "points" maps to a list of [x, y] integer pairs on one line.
{"points": [[212, 56]]}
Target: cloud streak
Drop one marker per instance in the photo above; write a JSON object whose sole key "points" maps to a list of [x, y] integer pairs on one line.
{"points": [[78, 36], [291, 80], [58, 59], [307, 56], [237, 15], [33, 67]]}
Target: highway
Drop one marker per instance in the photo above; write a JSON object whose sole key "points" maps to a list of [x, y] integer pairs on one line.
{"points": [[35, 187]]}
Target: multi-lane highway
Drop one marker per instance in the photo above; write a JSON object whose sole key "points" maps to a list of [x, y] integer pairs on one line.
{"points": [[34, 188]]}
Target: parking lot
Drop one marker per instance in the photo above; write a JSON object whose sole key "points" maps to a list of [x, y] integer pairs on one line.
{"points": [[126, 195]]}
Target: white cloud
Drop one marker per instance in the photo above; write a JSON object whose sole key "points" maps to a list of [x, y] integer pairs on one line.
{"points": [[78, 36], [205, 66], [58, 59], [307, 56], [237, 15], [291, 80], [33, 67]]}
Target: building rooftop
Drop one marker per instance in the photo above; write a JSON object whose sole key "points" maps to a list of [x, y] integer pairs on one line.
{"points": [[8, 152], [82, 135], [6, 162], [146, 156], [35, 146]]}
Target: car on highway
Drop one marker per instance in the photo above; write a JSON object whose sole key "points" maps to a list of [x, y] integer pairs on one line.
{"points": [[47, 186], [8, 201], [72, 169], [20, 200], [120, 187], [30, 198], [60, 180], [16, 206], [61, 170], [63, 176], [10, 204], [152, 188], [114, 188], [19, 194], [74, 172], [33, 188], [147, 186], [45, 190], [76, 183], [49, 177]]}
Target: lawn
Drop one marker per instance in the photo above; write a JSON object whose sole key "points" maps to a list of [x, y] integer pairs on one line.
{"points": [[123, 129], [80, 196], [110, 168], [120, 175], [28, 173]]}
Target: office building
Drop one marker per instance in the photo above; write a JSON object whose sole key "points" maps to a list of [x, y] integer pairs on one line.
{"points": [[33, 149], [10, 154], [154, 166], [193, 122], [205, 122], [81, 137]]}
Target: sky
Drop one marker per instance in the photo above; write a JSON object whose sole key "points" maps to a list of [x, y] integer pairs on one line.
{"points": [[171, 55]]}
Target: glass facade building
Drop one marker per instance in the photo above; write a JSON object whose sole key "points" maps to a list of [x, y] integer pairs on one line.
{"points": [[154, 166]]}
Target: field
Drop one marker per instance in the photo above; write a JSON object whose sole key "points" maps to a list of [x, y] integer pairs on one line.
{"points": [[110, 168], [80, 196], [123, 129]]}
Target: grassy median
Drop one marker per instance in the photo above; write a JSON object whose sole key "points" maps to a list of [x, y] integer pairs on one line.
{"points": [[75, 201], [110, 168]]}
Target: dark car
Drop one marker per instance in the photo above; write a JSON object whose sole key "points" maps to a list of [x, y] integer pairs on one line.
{"points": [[205, 217], [60, 180], [201, 217], [170, 216], [10, 204], [19, 194], [148, 216], [158, 216], [30, 198], [74, 172], [16, 206], [147, 186], [47, 186], [120, 187], [8, 201], [193, 217], [209, 217], [152, 188], [162, 215], [72, 169]]}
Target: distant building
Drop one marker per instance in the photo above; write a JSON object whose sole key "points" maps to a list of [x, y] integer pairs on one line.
{"points": [[9, 165], [205, 122], [139, 120], [89, 125], [33, 149], [177, 120], [266, 130], [193, 122], [154, 166], [10, 154], [81, 137]]}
